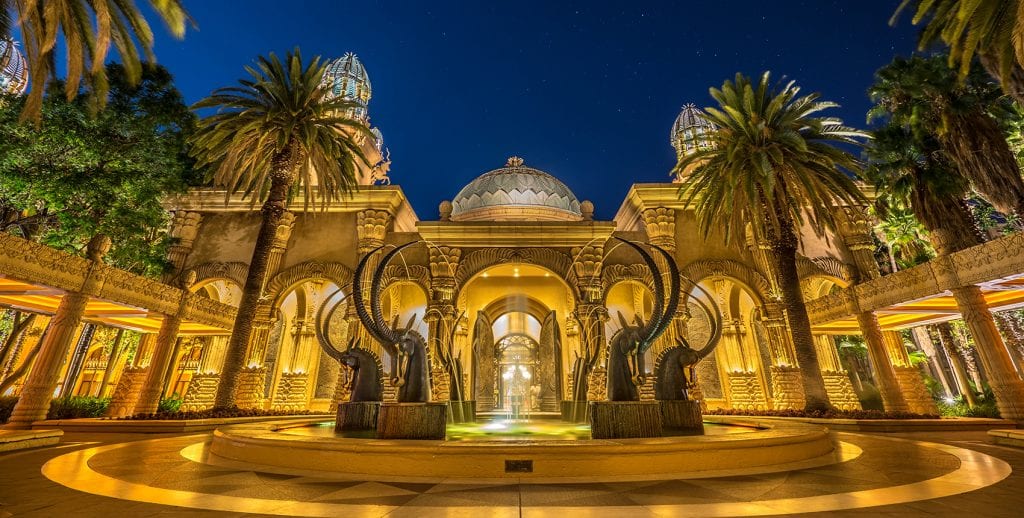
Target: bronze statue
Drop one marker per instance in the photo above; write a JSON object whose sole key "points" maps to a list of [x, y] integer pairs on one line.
{"points": [[410, 370], [367, 374], [628, 345], [675, 371]]}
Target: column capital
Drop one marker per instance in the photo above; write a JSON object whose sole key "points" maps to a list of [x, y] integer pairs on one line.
{"points": [[660, 223], [371, 228]]}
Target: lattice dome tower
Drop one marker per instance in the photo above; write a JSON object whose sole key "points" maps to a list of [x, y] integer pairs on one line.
{"points": [[689, 130], [13, 69], [347, 79]]}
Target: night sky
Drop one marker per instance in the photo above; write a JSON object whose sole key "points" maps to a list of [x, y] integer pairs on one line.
{"points": [[586, 91]]}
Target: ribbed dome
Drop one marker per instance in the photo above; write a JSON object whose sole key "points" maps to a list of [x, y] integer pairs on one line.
{"points": [[13, 70], [689, 129], [348, 79], [516, 193]]}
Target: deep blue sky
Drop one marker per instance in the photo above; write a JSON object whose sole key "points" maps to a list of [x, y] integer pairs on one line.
{"points": [[584, 90]]}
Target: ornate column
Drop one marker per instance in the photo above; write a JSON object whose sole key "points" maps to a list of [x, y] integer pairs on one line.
{"points": [[591, 313], [919, 399], [787, 387], [440, 318], [35, 397], [372, 227], [1002, 376], [855, 231], [184, 228], [129, 385], [202, 388], [837, 381], [660, 223], [163, 353]]}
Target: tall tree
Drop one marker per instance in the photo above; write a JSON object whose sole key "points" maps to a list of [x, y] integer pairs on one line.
{"points": [[925, 96], [83, 173], [86, 30], [771, 162], [279, 128], [990, 30], [904, 236]]}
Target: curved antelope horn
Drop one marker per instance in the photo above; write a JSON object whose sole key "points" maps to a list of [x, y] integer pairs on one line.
{"points": [[673, 294], [375, 292], [659, 290], [357, 297], [715, 318], [622, 320], [408, 325], [322, 326]]}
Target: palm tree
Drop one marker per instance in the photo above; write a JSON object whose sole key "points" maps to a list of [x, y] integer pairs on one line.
{"points": [[903, 235], [925, 96], [914, 172], [89, 28], [277, 128], [991, 30], [771, 163]]}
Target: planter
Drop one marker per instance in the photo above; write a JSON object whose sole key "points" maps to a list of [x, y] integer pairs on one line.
{"points": [[682, 416], [361, 415], [625, 419], [412, 421]]}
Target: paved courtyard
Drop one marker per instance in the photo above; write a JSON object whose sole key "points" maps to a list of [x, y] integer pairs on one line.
{"points": [[944, 474]]}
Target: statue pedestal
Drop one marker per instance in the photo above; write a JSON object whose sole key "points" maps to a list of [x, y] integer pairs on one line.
{"points": [[461, 411], [360, 415], [412, 421], [682, 416], [574, 411], [625, 419]]}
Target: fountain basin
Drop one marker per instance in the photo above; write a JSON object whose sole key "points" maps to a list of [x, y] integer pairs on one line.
{"points": [[269, 446]]}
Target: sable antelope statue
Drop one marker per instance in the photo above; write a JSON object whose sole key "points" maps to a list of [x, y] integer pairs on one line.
{"points": [[367, 374], [675, 367], [410, 367], [628, 345]]}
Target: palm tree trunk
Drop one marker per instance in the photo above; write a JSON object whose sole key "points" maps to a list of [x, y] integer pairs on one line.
{"points": [[23, 368], [273, 210], [948, 341], [19, 325], [1013, 85], [799, 324]]}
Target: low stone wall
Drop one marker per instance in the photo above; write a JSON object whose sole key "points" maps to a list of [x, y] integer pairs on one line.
{"points": [[101, 425]]}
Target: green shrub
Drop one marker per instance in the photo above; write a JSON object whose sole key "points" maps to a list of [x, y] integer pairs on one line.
{"points": [[169, 405], [957, 407], [870, 398], [6, 407], [76, 407]]}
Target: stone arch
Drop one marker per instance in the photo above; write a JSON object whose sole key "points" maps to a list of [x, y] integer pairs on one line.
{"points": [[281, 283], [415, 274], [615, 273], [758, 286], [826, 266], [217, 270], [558, 263]]}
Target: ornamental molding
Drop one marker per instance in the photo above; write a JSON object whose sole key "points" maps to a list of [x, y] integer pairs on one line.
{"points": [[823, 266], [987, 263], [416, 274], [615, 273], [309, 271], [477, 261], [698, 271], [217, 270]]}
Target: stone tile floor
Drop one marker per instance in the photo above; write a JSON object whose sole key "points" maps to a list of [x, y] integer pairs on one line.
{"points": [[155, 468]]}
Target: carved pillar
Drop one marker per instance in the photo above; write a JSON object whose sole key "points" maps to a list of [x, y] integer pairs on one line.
{"points": [[129, 385], [440, 318], [660, 224], [1002, 377], [184, 228], [372, 227], [837, 380], [589, 373], [919, 399], [855, 229], [35, 397], [281, 237], [878, 355], [163, 354], [787, 387]]}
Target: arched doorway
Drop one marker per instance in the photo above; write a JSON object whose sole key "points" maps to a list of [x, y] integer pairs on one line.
{"points": [[515, 316]]}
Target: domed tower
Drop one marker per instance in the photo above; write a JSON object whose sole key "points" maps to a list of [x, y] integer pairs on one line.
{"points": [[13, 69], [515, 193], [347, 79], [689, 129]]}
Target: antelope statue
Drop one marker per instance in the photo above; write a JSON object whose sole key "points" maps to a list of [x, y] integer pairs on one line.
{"points": [[410, 370]]}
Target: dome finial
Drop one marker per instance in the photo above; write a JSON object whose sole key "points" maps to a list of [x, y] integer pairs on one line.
{"points": [[514, 161]]}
